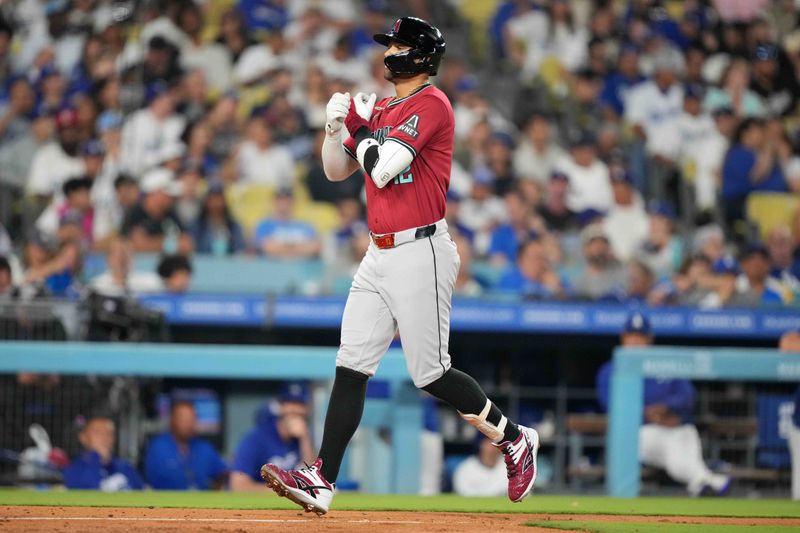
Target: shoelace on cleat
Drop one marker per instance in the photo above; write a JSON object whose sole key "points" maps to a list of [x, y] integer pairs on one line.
{"points": [[511, 465]]}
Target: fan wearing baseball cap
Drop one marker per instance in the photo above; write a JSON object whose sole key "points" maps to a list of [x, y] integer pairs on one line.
{"points": [[152, 225], [667, 439]]}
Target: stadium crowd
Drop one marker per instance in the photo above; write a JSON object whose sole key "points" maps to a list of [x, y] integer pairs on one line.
{"points": [[609, 150]]}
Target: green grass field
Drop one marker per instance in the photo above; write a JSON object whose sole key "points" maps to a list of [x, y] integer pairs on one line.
{"points": [[633, 527], [376, 502]]}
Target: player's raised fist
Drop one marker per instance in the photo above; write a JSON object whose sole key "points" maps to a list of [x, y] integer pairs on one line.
{"points": [[336, 111], [364, 104]]}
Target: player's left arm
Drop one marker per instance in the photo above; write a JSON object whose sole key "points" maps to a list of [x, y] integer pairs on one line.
{"points": [[383, 162]]}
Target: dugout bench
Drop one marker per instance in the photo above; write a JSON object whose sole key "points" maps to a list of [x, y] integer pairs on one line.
{"points": [[632, 365]]}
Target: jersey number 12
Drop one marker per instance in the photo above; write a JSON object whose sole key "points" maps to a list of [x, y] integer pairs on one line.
{"points": [[405, 176]]}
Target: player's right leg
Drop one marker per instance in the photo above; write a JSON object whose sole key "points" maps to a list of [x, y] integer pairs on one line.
{"points": [[368, 328]]}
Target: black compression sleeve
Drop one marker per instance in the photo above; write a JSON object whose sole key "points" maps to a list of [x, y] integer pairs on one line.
{"points": [[341, 421]]}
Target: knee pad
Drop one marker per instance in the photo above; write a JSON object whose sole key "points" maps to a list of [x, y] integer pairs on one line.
{"points": [[494, 433]]}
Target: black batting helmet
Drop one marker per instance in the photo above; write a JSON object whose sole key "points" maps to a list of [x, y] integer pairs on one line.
{"points": [[426, 42]]}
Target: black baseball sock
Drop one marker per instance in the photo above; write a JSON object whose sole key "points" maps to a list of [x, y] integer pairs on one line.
{"points": [[462, 392], [345, 408]]}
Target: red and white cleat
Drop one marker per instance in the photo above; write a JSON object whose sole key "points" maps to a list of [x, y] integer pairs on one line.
{"points": [[306, 486], [521, 462]]}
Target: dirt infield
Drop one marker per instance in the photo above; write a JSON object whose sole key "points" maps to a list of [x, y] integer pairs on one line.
{"points": [[131, 519]]}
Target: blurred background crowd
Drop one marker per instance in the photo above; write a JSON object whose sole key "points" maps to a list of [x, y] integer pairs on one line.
{"points": [[642, 150]]}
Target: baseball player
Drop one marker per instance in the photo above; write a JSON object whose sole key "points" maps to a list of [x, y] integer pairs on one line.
{"points": [[404, 145]]}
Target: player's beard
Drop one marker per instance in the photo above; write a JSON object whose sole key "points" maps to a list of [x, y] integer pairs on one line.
{"points": [[390, 76]]}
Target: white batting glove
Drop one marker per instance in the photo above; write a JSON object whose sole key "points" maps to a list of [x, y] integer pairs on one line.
{"points": [[335, 111], [364, 104]]}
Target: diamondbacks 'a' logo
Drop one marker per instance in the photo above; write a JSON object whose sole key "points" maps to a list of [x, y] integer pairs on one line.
{"points": [[410, 126]]}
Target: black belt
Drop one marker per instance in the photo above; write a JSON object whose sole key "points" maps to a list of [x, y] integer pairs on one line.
{"points": [[427, 231]]}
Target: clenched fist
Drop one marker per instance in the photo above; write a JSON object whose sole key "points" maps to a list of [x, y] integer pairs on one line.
{"points": [[336, 111]]}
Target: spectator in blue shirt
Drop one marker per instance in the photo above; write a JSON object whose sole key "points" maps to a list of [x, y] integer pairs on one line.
{"points": [[179, 460], [506, 238], [750, 165], [617, 84], [282, 236], [667, 439], [281, 436], [97, 468], [531, 277]]}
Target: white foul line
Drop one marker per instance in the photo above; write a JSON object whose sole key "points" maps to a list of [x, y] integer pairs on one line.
{"points": [[167, 519]]}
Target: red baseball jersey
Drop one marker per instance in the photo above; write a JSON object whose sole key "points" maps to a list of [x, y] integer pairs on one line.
{"points": [[422, 122]]}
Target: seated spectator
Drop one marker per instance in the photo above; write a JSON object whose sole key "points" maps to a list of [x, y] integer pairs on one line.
{"points": [[466, 284], [602, 274], [261, 160], [197, 53], [452, 215], [554, 210], [282, 236], [778, 87], [281, 437], [139, 153], [783, 269], [97, 468], [176, 273], [667, 439], [531, 277], [152, 225], [750, 165], [483, 473], [180, 460], [754, 287], [506, 238], [77, 204], [17, 155], [58, 160], [695, 285], [640, 282], [216, 232], [626, 221], [482, 212], [589, 180], [661, 250], [580, 110], [734, 92], [710, 241], [118, 280], [536, 153], [57, 275], [113, 206], [348, 243], [619, 83]]}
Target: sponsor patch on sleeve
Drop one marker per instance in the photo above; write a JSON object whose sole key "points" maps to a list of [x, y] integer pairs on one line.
{"points": [[409, 127]]}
